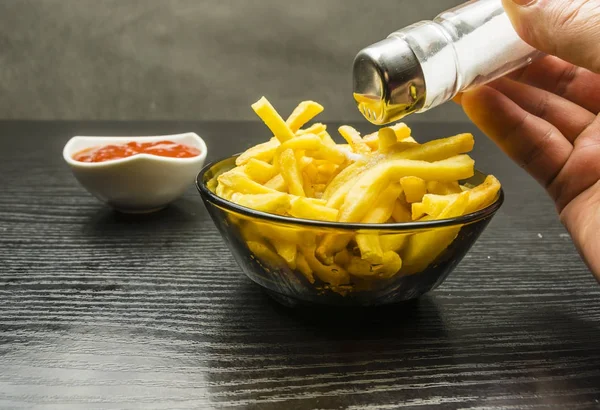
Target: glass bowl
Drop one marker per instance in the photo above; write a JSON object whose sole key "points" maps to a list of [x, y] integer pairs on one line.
{"points": [[254, 238]]}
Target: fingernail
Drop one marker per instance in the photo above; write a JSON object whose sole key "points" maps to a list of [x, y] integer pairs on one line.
{"points": [[524, 3]]}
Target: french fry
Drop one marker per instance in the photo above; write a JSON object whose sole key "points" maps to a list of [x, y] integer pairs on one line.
{"points": [[370, 248], [347, 175], [333, 274], [353, 138], [342, 258], [313, 129], [301, 208], [262, 152], [259, 171], [385, 204], [372, 182], [303, 113], [443, 188], [483, 195], [360, 267], [241, 183], [265, 255], [393, 242], [423, 248], [401, 212], [303, 267], [387, 138], [390, 265], [401, 130], [330, 245], [272, 119], [414, 188], [287, 251], [326, 138], [434, 204], [249, 232], [290, 172], [418, 210], [273, 203], [277, 183], [439, 149]]}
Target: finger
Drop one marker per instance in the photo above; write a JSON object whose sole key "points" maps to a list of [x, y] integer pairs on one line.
{"points": [[531, 142], [567, 29], [575, 84], [582, 170], [569, 118]]}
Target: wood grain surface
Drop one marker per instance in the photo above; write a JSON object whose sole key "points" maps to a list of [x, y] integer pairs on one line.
{"points": [[105, 311]]}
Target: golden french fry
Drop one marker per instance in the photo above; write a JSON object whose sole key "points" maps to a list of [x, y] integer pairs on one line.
{"points": [[423, 248], [439, 149], [401, 212], [313, 129], [273, 203], [414, 188], [240, 182], [443, 187], [387, 138], [287, 251], [259, 171], [332, 244], [303, 161], [304, 209], [483, 195], [384, 206], [272, 119], [401, 130], [265, 255], [354, 139], [393, 242], [290, 172], [277, 183], [370, 248], [224, 192], [249, 232], [418, 210], [303, 113], [342, 257], [390, 265], [311, 171], [360, 267], [373, 181], [434, 204], [262, 152], [303, 267], [333, 274], [326, 138], [307, 186], [344, 177]]}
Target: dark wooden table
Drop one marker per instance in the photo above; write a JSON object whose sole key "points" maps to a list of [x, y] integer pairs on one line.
{"points": [[103, 311]]}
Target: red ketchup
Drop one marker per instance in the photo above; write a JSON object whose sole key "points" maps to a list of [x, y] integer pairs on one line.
{"points": [[160, 148]]}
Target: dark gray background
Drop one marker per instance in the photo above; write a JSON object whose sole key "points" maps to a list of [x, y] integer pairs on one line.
{"points": [[190, 59]]}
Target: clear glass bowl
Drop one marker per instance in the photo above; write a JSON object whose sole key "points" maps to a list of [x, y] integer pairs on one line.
{"points": [[252, 238]]}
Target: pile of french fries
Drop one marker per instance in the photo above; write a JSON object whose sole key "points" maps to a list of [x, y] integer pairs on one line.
{"points": [[384, 177]]}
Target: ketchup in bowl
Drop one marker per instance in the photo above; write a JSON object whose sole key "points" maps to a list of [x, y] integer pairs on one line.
{"points": [[159, 148]]}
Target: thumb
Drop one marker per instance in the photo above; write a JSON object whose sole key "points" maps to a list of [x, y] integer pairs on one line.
{"points": [[568, 29]]}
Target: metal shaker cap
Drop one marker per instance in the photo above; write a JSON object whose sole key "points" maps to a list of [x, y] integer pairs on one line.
{"points": [[388, 81]]}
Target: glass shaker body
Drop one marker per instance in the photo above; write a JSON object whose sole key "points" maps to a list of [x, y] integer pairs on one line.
{"points": [[428, 63]]}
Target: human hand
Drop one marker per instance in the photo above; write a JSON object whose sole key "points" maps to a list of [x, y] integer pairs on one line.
{"points": [[546, 116]]}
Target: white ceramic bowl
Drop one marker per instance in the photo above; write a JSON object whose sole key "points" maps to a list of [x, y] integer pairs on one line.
{"points": [[140, 183]]}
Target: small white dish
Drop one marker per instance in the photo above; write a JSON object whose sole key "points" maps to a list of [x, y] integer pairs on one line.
{"points": [[140, 183]]}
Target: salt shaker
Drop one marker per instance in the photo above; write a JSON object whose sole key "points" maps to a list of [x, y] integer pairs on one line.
{"points": [[426, 64]]}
